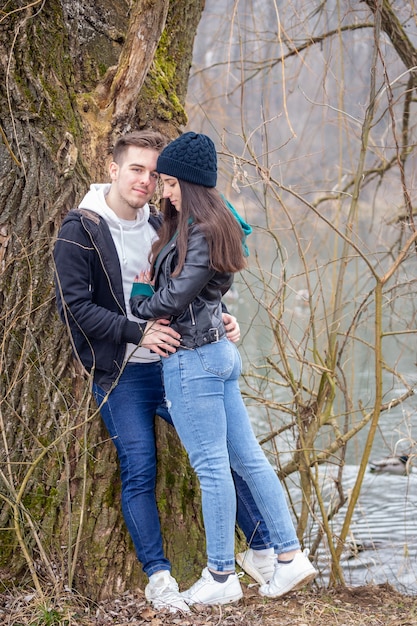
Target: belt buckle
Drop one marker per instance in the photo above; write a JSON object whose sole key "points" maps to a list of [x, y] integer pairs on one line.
{"points": [[214, 332]]}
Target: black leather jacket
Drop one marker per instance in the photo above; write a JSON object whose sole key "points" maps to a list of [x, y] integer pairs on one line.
{"points": [[191, 300]]}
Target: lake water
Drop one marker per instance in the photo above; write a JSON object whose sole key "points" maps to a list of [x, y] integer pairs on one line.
{"points": [[383, 533]]}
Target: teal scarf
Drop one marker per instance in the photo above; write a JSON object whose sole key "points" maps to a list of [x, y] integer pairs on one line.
{"points": [[246, 228]]}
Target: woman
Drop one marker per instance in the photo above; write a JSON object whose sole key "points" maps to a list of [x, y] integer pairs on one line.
{"points": [[193, 262]]}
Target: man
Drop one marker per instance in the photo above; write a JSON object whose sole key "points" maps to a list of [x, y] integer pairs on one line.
{"points": [[101, 247]]}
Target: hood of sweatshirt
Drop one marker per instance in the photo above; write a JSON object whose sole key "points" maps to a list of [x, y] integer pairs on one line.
{"points": [[95, 200]]}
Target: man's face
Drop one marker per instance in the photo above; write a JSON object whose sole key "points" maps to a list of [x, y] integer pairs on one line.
{"points": [[134, 178]]}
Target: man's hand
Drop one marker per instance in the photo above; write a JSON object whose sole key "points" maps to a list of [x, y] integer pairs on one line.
{"points": [[232, 327], [160, 338]]}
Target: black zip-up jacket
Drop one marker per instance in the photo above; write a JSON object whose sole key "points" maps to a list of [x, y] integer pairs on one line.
{"points": [[191, 300], [89, 294]]}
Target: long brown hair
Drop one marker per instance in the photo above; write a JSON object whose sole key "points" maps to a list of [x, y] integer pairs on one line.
{"points": [[205, 207]]}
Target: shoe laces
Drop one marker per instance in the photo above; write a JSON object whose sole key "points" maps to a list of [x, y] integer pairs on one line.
{"points": [[170, 587], [168, 596], [264, 564], [205, 577]]}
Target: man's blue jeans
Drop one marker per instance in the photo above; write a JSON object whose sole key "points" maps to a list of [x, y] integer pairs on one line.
{"points": [[128, 413], [206, 406]]}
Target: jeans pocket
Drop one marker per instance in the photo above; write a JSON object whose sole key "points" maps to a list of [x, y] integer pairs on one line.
{"points": [[218, 358]]}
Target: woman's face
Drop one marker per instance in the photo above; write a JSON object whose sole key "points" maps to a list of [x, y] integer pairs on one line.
{"points": [[171, 190]]}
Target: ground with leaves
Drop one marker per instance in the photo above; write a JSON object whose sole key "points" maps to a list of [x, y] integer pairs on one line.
{"points": [[361, 606]]}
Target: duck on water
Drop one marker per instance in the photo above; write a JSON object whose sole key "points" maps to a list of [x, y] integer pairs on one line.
{"points": [[400, 465]]}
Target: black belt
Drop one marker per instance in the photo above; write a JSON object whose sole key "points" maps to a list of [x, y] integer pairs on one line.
{"points": [[210, 336]]}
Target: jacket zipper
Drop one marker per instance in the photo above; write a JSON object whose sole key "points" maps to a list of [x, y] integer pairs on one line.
{"points": [[103, 268], [167, 277], [190, 306]]}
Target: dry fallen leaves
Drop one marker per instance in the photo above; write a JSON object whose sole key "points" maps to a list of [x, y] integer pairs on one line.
{"points": [[362, 606]]}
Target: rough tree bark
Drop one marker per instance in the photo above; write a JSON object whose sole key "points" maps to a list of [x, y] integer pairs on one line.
{"points": [[72, 77]]}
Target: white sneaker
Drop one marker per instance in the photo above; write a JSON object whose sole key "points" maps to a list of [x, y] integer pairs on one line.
{"points": [[163, 593], [259, 564], [288, 577], [208, 591]]}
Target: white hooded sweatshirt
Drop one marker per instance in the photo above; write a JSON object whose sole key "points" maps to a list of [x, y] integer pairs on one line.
{"points": [[133, 241]]}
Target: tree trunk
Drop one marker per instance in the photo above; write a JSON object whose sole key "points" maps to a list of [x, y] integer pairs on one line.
{"points": [[73, 77]]}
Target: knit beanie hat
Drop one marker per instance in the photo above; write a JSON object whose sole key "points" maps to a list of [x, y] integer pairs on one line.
{"points": [[191, 157]]}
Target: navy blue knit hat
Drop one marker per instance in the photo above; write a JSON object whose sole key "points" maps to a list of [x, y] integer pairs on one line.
{"points": [[190, 157]]}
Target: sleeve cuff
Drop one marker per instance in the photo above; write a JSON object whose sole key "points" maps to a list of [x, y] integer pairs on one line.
{"points": [[142, 289]]}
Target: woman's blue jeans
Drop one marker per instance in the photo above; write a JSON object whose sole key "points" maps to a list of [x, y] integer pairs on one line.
{"points": [[128, 413], [206, 406]]}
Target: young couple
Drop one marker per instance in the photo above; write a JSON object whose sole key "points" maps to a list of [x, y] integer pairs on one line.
{"points": [[176, 334]]}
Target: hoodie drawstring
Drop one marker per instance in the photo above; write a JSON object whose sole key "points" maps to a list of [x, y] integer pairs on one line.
{"points": [[122, 242]]}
